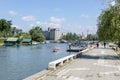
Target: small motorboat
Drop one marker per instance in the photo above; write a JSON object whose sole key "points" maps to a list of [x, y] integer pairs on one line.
{"points": [[35, 43], [55, 49]]}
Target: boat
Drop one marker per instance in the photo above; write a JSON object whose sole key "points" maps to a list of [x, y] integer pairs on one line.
{"points": [[46, 42], [74, 50], [55, 49], [35, 43]]}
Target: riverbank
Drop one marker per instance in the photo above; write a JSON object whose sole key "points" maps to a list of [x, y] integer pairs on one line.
{"points": [[1, 41], [1, 44]]}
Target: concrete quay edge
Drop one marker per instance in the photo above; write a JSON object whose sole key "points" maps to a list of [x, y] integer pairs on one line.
{"points": [[42, 73]]}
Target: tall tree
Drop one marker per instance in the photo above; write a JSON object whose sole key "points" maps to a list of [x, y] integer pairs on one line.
{"points": [[70, 36], [5, 27], [36, 34], [109, 24]]}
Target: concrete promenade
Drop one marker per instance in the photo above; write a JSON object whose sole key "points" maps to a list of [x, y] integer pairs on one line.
{"points": [[97, 64]]}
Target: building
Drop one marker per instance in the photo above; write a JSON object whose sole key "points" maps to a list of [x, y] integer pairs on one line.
{"points": [[15, 31], [52, 34], [11, 42], [83, 36], [46, 34], [55, 34], [26, 41]]}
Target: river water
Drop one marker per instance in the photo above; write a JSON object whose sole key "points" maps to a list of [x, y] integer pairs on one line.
{"points": [[17, 63]]}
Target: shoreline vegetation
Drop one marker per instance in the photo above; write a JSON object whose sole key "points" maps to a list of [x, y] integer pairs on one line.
{"points": [[2, 41], [37, 34]]}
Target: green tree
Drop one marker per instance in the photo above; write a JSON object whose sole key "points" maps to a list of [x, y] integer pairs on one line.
{"points": [[64, 37], [70, 36], [92, 37], [5, 27], [109, 24], [36, 34], [25, 35]]}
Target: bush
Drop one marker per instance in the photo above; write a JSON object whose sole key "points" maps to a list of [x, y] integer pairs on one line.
{"points": [[2, 40]]}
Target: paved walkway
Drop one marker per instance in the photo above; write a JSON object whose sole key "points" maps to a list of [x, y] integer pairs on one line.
{"points": [[97, 64]]}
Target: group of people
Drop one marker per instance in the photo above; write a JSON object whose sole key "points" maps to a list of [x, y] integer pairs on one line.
{"points": [[104, 44]]}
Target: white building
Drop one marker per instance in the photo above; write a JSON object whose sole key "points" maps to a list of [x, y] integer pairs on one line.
{"points": [[52, 34]]}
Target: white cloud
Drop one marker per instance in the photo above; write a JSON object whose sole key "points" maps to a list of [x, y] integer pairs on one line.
{"points": [[91, 29], [12, 13], [54, 25], [53, 22], [76, 28], [57, 20], [45, 25], [38, 22], [84, 16], [28, 18], [73, 28], [31, 25], [16, 26], [112, 3]]}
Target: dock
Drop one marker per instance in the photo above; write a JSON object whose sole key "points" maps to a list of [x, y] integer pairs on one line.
{"points": [[74, 50]]}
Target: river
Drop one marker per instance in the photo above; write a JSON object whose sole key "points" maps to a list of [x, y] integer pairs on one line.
{"points": [[17, 63]]}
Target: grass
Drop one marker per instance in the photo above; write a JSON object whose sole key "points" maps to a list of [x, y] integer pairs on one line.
{"points": [[2, 40]]}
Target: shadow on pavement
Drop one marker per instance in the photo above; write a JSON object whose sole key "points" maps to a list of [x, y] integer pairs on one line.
{"points": [[109, 57], [100, 57]]}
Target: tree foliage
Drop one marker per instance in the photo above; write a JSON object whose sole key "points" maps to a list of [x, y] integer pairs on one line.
{"points": [[36, 34], [70, 36], [92, 37], [24, 35], [5, 28], [109, 24]]}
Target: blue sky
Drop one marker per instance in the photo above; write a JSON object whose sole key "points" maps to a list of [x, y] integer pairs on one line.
{"points": [[69, 15]]}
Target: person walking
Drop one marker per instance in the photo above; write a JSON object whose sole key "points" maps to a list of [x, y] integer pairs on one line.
{"points": [[97, 44], [104, 45]]}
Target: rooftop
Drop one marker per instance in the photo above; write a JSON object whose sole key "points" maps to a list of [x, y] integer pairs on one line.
{"points": [[26, 40], [12, 39]]}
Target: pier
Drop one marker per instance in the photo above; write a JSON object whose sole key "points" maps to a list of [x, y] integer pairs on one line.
{"points": [[74, 50]]}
